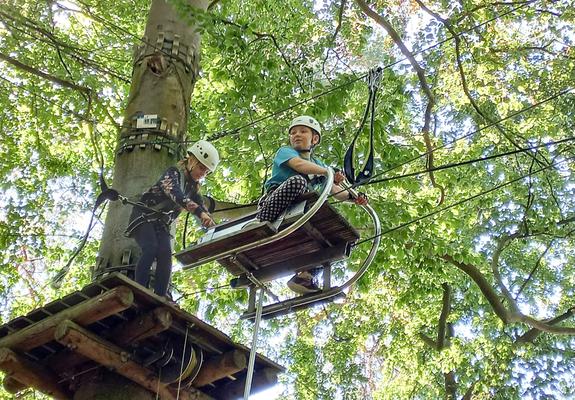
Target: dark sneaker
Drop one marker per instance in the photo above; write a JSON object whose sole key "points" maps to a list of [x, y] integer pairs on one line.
{"points": [[303, 284]]}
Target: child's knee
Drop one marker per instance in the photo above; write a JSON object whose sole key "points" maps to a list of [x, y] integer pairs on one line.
{"points": [[298, 181]]}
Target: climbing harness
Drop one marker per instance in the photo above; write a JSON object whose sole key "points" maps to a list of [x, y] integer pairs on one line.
{"points": [[373, 81]]}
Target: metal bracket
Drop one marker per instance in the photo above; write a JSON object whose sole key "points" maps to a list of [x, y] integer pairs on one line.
{"points": [[126, 255]]}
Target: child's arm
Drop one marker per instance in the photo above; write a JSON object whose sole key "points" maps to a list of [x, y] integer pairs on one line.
{"points": [[306, 167]]}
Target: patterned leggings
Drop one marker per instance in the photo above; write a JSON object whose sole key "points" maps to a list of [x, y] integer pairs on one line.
{"points": [[271, 206]]}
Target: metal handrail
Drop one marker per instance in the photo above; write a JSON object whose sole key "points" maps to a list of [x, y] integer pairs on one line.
{"points": [[281, 234]]}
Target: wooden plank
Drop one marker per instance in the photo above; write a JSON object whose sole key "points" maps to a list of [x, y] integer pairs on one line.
{"points": [[109, 355], [293, 265], [30, 374], [85, 313], [229, 241], [219, 367], [147, 325]]}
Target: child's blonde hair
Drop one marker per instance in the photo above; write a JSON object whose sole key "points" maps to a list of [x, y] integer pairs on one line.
{"points": [[182, 165]]}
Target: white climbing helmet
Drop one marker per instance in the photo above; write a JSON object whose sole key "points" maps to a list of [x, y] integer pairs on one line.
{"points": [[206, 153], [308, 121]]}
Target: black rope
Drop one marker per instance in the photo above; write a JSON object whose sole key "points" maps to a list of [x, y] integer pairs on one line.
{"points": [[472, 161], [373, 81]]}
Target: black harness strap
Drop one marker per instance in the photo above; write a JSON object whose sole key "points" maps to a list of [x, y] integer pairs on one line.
{"points": [[373, 81]]}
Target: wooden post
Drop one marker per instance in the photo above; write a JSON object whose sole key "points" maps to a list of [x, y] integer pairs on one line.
{"points": [[221, 366], [85, 313], [262, 380], [29, 374], [109, 355], [149, 324]]}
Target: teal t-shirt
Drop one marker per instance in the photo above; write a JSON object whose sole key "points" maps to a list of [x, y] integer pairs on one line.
{"points": [[281, 171]]}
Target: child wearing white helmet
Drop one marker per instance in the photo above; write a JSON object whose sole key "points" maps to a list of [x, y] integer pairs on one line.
{"points": [[177, 189], [294, 168]]}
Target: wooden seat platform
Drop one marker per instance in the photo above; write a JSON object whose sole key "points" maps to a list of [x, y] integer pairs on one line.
{"points": [[117, 324], [326, 237]]}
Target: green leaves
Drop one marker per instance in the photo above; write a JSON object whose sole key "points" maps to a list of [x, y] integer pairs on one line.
{"points": [[265, 62]]}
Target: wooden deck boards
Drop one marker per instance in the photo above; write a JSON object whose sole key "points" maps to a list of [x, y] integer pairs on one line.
{"points": [[59, 360]]}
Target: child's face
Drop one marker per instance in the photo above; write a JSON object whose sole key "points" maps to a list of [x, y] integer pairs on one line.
{"points": [[302, 138], [198, 171]]}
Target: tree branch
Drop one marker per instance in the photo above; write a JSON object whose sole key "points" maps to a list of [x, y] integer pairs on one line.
{"points": [[384, 23], [537, 264], [463, 77], [273, 39], [533, 333], [469, 393], [501, 245], [212, 4], [335, 33], [487, 290], [506, 316], [442, 332], [51, 78]]}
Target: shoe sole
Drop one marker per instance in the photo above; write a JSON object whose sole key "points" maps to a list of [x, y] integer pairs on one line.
{"points": [[299, 289]]}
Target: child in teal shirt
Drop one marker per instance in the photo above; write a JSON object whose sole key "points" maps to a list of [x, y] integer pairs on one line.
{"points": [[294, 168]]}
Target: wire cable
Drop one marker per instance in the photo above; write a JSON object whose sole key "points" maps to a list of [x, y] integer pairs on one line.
{"points": [[472, 161], [467, 199], [467, 135]]}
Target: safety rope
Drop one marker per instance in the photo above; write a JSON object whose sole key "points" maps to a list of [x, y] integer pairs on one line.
{"points": [[57, 280], [373, 81]]}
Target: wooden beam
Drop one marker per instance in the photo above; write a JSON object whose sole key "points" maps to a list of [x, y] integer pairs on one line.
{"points": [[147, 325], [30, 374], [109, 355], [84, 313], [220, 366], [292, 265], [12, 385], [262, 379]]}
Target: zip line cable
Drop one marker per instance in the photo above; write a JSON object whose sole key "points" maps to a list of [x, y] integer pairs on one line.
{"points": [[472, 161], [452, 165], [467, 199], [466, 162]]}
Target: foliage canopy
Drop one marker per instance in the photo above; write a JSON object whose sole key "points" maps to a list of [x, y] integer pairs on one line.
{"points": [[476, 299]]}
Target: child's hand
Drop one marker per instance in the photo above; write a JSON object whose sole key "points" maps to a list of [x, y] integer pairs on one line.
{"points": [[191, 206], [361, 199], [338, 177], [206, 220]]}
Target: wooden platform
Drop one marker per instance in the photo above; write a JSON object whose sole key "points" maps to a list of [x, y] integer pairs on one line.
{"points": [[326, 237], [116, 323]]}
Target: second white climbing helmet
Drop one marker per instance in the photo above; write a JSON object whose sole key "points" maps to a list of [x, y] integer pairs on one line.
{"points": [[206, 153]]}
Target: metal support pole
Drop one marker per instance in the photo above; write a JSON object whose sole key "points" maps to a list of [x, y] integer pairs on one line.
{"points": [[253, 351]]}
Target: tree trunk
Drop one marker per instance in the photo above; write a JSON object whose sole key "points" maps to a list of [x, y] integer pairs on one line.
{"points": [[165, 69]]}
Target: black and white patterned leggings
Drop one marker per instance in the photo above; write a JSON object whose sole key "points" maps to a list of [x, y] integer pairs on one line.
{"points": [[271, 206]]}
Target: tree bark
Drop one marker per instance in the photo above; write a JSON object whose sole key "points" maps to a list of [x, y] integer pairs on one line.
{"points": [[165, 68]]}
